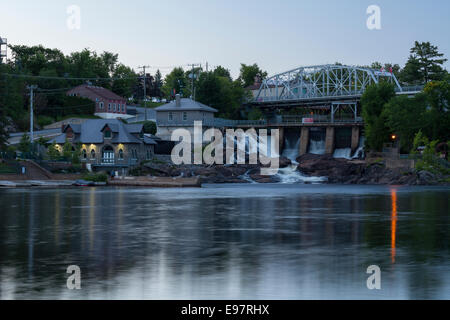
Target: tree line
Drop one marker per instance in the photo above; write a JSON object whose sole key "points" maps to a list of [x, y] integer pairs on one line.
{"points": [[427, 113]]}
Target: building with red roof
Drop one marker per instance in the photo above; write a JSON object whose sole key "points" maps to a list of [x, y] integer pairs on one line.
{"points": [[107, 104]]}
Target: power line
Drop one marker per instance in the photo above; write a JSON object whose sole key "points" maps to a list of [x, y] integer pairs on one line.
{"points": [[67, 78]]}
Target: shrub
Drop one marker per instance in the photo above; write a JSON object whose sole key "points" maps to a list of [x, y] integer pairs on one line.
{"points": [[150, 127], [44, 121], [96, 177]]}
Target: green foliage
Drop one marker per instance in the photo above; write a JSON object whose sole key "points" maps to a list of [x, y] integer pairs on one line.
{"points": [[255, 114], [76, 154], [150, 127], [176, 82], [438, 113], [124, 87], [420, 140], [44, 121], [24, 144], [3, 133], [404, 117], [424, 64], [373, 101], [67, 150], [96, 177], [248, 74], [53, 152], [220, 93]]}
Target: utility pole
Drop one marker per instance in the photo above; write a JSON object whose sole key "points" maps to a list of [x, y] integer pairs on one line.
{"points": [[192, 78], [31, 88], [145, 90]]}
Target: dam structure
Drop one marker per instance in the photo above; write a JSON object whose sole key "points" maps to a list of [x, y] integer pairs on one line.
{"points": [[316, 109]]}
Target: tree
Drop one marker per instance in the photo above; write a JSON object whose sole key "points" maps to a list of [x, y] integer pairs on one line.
{"points": [[157, 85], [222, 72], [373, 101], [424, 64], [24, 144], [67, 150], [150, 127], [126, 84], [3, 133], [405, 117], [176, 83], [248, 74], [53, 152], [387, 67], [220, 93], [438, 111]]}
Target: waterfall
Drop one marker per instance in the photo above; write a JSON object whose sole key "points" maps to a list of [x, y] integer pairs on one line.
{"points": [[291, 175], [360, 152], [344, 153], [291, 150], [317, 147]]}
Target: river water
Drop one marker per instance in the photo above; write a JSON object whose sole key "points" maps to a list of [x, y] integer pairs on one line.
{"points": [[226, 242]]}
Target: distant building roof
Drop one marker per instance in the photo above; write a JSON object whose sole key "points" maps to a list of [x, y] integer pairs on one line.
{"points": [[100, 91], [185, 105], [91, 131]]}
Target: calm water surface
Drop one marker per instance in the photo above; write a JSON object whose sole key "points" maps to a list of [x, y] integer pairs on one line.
{"points": [[226, 242]]}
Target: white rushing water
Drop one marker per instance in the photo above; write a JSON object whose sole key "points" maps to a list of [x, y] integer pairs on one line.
{"points": [[291, 174], [344, 153], [360, 152], [291, 150], [317, 147]]}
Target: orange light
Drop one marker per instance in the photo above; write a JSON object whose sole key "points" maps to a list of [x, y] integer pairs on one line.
{"points": [[394, 137], [393, 224]]}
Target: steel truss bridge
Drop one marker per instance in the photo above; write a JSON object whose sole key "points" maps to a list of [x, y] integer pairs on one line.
{"points": [[330, 87]]}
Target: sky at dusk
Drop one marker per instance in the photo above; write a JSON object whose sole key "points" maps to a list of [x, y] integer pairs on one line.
{"points": [[278, 35]]}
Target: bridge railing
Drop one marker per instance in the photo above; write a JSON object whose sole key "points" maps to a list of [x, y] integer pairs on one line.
{"points": [[337, 94]]}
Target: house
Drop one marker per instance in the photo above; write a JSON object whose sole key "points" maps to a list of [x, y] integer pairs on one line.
{"points": [[181, 113], [108, 144], [108, 105]]}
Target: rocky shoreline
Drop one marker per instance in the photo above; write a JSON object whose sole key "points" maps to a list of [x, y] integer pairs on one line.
{"points": [[334, 171]]}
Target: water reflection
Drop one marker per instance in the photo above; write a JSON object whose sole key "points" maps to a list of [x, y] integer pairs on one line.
{"points": [[225, 242], [393, 223]]}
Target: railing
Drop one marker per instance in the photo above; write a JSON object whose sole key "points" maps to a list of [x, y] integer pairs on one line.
{"points": [[220, 123], [337, 94], [410, 89], [114, 162]]}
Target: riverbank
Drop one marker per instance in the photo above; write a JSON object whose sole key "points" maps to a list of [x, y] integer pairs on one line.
{"points": [[309, 168]]}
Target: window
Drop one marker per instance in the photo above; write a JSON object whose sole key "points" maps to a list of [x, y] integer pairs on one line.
{"points": [[109, 106], [123, 108], [84, 153], [108, 134], [184, 116], [114, 107], [170, 116], [101, 105], [134, 154], [93, 154], [149, 155], [120, 154]]}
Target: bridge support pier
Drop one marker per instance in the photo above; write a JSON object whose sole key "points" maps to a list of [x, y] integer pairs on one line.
{"points": [[329, 140], [355, 138], [304, 141]]}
